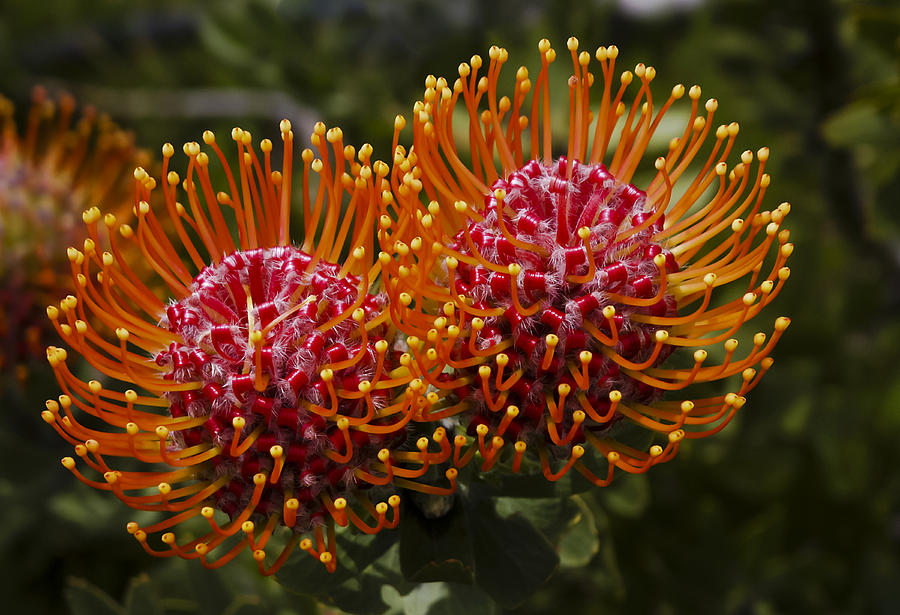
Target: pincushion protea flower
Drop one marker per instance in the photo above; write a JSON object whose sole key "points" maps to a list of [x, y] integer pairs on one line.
{"points": [[544, 295], [266, 391], [50, 171]]}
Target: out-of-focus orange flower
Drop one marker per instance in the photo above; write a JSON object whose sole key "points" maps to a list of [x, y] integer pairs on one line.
{"points": [[263, 392], [50, 171], [550, 296]]}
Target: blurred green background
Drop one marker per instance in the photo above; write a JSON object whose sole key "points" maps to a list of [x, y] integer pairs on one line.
{"points": [[794, 508]]}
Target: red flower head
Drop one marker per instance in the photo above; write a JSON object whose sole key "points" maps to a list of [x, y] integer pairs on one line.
{"points": [[549, 299], [266, 392], [50, 171]]}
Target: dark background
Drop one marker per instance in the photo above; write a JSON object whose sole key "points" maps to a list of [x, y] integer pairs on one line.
{"points": [[794, 508]]}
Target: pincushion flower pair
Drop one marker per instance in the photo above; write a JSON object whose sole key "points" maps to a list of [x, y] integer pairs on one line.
{"points": [[485, 299]]}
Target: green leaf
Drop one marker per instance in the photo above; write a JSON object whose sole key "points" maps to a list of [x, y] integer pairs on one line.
{"points": [[580, 542], [627, 496], [387, 568], [447, 599], [85, 508], [84, 598], [550, 516], [567, 523], [208, 588], [435, 549], [605, 574], [512, 559], [142, 598], [857, 123], [243, 605]]}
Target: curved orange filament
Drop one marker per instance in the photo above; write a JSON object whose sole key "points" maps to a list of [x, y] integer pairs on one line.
{"points": [[549, 474]]}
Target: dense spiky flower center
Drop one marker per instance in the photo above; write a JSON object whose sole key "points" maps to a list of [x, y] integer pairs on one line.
{"points": [[567, 251], [257, 328]]}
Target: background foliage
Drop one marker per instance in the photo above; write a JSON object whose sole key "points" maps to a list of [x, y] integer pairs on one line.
{"points": [[794, 508]]}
